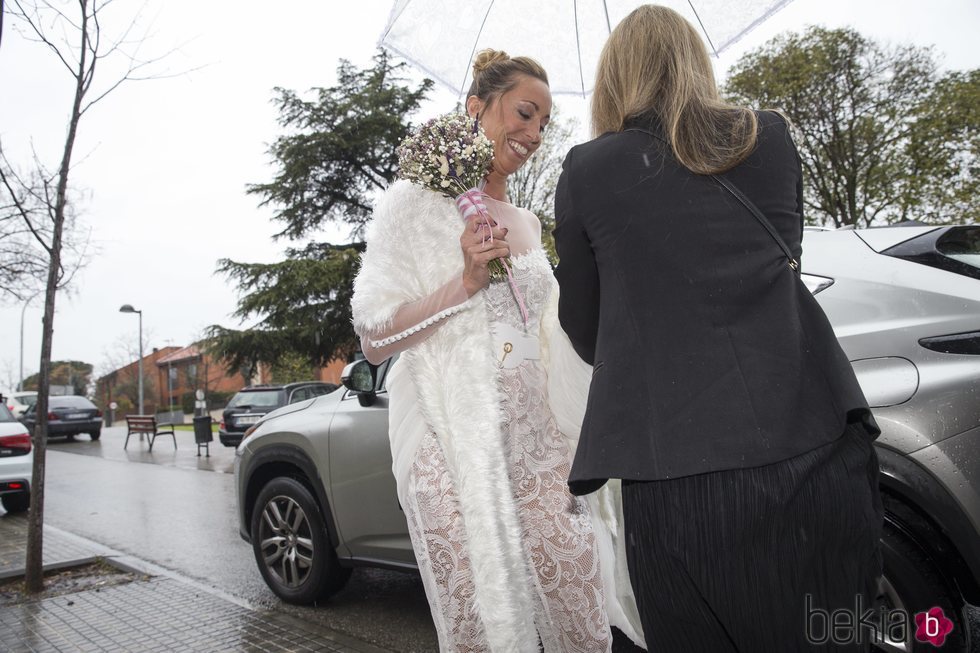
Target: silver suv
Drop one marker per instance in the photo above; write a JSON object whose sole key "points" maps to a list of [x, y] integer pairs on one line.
{"points": [[317, 495]]}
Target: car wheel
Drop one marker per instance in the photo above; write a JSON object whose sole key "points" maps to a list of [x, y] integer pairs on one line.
{"points": [[95, 435], [19, 502], [291, 545], [913, 584]]}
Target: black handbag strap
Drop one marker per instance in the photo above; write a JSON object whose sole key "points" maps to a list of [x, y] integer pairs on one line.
{"points": [[761, 217], [747, 203]]}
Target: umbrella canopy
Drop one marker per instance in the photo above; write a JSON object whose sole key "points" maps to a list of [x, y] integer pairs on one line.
{"points": [[440, 37]]}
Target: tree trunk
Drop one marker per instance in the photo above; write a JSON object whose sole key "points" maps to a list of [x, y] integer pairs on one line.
{"points": [[34, 573]]}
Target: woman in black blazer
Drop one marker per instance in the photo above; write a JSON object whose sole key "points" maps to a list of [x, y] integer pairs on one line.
{"points": [[719, 393]]}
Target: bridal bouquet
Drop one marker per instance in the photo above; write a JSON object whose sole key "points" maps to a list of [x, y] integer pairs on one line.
{"points": [[451, 155]]}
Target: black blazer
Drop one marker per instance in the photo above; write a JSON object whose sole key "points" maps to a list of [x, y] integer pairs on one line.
{"points": [[709, 353]]}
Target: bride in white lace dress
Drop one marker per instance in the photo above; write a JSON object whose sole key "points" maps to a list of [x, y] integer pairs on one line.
{"points": [[507, 555]]}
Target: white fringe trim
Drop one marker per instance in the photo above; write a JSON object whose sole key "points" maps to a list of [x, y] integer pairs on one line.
{"points": [[441, 315]]}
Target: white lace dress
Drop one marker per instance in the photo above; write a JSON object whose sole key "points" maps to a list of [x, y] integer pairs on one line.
{"points": [[558, 540]]}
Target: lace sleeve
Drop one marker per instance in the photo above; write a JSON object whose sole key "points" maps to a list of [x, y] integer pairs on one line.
{"points": [[414, 322]]}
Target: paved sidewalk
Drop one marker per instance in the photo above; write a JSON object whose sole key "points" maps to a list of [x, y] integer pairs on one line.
{"points": [[163, 613]]}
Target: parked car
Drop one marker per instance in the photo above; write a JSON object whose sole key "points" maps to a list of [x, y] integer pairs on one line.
{"points": [[314, 480], [19, 402], [16, 463], [905, 304], [68, 416], [250, 404]]}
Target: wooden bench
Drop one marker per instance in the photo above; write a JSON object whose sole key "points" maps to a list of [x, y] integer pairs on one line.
{"points": [[148, 424]]}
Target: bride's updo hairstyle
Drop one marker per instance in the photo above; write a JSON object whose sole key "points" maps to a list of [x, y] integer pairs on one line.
{"points": [[495, 73]]}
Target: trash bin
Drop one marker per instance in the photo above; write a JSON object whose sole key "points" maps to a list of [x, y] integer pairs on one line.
{"points": [[202, 434]]}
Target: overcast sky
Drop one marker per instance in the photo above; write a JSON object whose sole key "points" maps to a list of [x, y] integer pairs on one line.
{"points": [[163, 164]]}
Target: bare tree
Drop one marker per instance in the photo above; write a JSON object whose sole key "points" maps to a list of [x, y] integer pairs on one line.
{"points": [[27, 231], [118, 367], [73, 32], [8, 372], [22, 262]]}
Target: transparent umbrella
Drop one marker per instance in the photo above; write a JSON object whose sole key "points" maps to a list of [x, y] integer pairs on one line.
{"points": [[440, 37]]}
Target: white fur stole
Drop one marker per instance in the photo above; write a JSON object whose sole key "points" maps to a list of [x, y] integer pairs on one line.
{"points": [[413, 250]]}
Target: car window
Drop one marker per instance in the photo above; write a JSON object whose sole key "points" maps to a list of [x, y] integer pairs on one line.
{"points": [[954, 249], [28, 399], [69, 401], [6, 415], [258, 399], [961, 244], [299, 395]]}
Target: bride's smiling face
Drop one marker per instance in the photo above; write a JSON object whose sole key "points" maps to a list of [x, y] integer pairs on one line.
{"points": [[515, 122]]}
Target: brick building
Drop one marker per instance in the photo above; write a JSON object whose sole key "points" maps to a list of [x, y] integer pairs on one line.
{"points": [[172, 375], [184, 371], [122, 386]]}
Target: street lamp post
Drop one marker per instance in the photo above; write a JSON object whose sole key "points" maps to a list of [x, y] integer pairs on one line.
{"points": [[170, 381], [127, 308], [20, 379]]}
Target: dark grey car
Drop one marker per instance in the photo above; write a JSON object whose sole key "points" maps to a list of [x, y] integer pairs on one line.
{"points": [[254, 402], [317, 495], [68, 416]]}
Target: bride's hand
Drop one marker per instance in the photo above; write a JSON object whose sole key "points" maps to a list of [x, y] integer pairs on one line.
{"points": [[479, 250]]}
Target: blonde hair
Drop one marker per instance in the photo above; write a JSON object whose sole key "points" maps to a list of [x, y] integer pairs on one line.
{"points": [[656, 65], [495, 73]]}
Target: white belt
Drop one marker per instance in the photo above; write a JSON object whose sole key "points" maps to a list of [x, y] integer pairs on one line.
{"points": [[512, 346]]}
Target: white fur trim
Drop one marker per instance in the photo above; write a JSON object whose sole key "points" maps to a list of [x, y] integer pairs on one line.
{"points": [[413, 250]]}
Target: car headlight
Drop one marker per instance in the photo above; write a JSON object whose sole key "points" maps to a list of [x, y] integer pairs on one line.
{"points": [[816, 283]]}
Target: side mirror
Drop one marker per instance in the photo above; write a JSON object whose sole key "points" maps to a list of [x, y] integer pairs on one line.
{"points": [[360, 377]]}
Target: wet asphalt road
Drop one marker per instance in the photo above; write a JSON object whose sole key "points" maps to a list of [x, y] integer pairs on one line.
{"points": [[178, 511]]}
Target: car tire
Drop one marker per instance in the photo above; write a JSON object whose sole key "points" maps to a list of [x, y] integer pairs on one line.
{"points": [[291, 544], [912, 583], [18, 502], [95, 435]]}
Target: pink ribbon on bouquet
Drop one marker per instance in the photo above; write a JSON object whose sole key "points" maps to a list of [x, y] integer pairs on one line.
{"points": [[470, 203]]}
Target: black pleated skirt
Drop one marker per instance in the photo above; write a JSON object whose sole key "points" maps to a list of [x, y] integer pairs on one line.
{"points": [[757, 560]]}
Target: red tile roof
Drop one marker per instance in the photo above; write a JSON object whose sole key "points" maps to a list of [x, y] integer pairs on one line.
{"points": [[193, 351]]}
